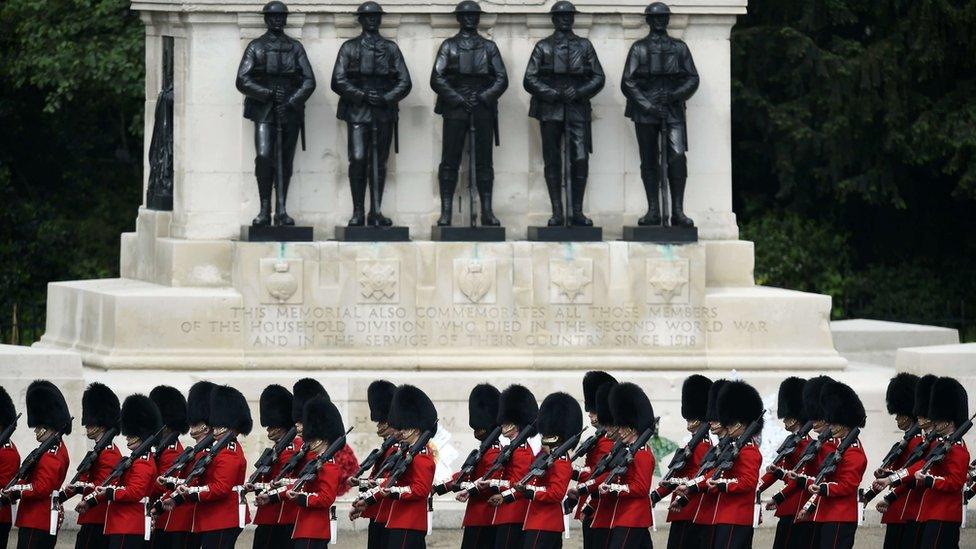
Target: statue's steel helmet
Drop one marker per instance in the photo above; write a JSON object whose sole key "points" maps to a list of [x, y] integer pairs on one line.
{"points": [[467, 6], [369, 7], [657, 8], [274, 6], [563, 6]]}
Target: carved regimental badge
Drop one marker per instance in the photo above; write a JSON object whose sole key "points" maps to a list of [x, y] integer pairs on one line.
{"points": [[379, 280], [570, 281], [282, 280], [667, 281], [474, 281]]}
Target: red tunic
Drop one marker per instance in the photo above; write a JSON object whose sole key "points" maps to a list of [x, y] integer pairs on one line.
{"points": [[837, 501], [632, 508], [284, 510], [735, 498], [691, 467], [909, 496], [601, 448], [9, 463], [794, 497], [545, 510], [217, 501], [313, 520], [164, 459], [514, 470], [894, 513], [126, 511], [100, 470], [34, 510], [408, 510], [478, 512], [180, 519], [373, 511], [942, 493]]}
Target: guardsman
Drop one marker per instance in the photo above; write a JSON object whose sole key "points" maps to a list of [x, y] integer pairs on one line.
{"points": [[100, 417], [371, 78], [321, 424], [276, 80], [275, 520], [517, 411], [598, 411], [694, 409], [48, 415], [703, 518], [9, 460], [634, 417], [834, 500], [563, 74], [659, 76], [560, 419], [379, 396], [414, 417], [304, 390], [598, 508], [482, 418], [941, 508], [789, 408], [900, 401], [172, 408], [127, 498], [216, 517], [468, 78]]}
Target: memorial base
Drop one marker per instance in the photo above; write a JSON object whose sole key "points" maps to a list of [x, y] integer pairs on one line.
{"points": [[372, 234], [660, 234], [467, 234], [276, 233], [562, 233]]}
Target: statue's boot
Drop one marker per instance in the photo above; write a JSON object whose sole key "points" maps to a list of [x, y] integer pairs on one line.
{"points": [[376, 218], [678, 217], [579, 188], [651, 189], [554, 186], [264, 191], [281, 216], [447, 185], [488, 218], [358, 187]]}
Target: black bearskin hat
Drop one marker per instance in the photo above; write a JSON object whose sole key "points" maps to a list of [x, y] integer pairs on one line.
{"points": [[305, 389], [99, 407], [172, 408], [7, 411], [603, 414], [275, 407], [842, 406], [321, 420], [631, 407], [517, 405], [483, 407], [923, 392], [591, 382], [694, 397], [739, 402], [712, 408], [789, 401], [229, 409], [811, 398], [560, 418], [949, 401], [46, 407], [379, 395], [412, 409], [900, 396], [198, 402], [140, 417]]}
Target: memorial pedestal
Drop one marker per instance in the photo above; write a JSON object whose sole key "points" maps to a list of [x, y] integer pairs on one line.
{"points": [[467, 234], [372, 234]]}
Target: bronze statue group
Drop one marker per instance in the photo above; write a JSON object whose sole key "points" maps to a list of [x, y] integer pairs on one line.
{"points": [[535, 469], [469, 77]]}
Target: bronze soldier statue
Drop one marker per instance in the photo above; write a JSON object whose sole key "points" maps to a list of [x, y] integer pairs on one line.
{"points": [[276, 79], [659, 77], [370, 77], [562, 75], [468, 77]]}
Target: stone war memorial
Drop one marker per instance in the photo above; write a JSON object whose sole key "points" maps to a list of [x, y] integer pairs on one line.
{"points": [[347, 192]]}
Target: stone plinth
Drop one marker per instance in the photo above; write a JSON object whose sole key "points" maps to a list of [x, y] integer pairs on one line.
{"points": [[877, 341], [942, 360]]}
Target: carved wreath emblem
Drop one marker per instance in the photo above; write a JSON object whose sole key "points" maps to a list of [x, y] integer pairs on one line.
{"points": [[474, 281], [378, 281]]}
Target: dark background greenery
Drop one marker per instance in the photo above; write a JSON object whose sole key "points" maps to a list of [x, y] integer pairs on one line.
{"points": [[854, 151]]}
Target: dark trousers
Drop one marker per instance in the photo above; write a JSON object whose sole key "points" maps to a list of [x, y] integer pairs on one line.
{"points": [[272, 536], [305, 543], [406, 539], [893, 533], [598, 538], [536, 539], [90, 536], [730, 536], [173, 540], [4, 534], [360, 148], [648, 144], [911, 533], [552, 151], [939, 535], [794, 535], [508, 536], [630, 538], [265, 162], [126, 541], [478, 537], [219, 539], [375, 535], [32, 538], [452, 145], [836, 535], [684, 533]]}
